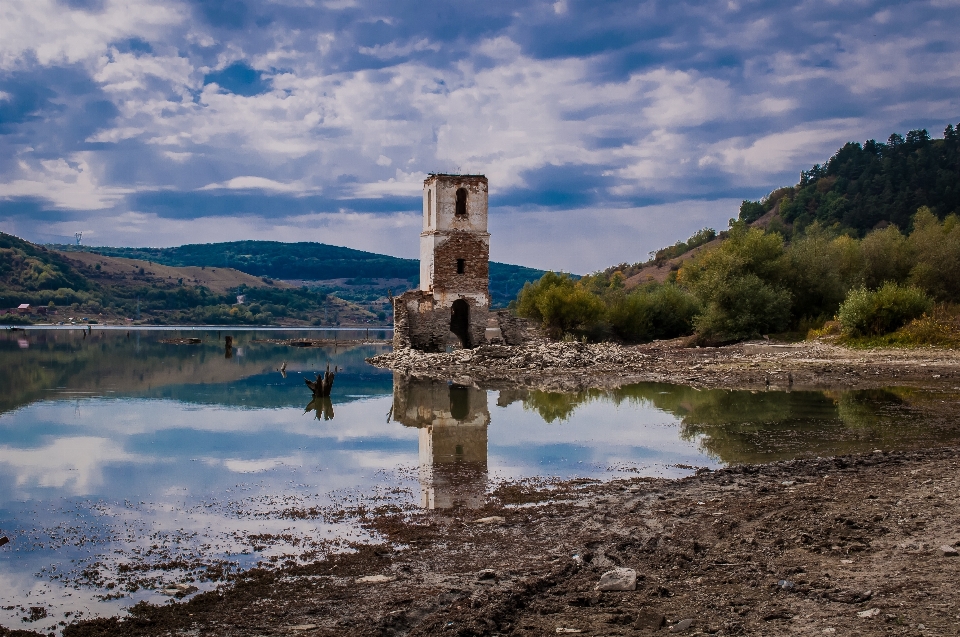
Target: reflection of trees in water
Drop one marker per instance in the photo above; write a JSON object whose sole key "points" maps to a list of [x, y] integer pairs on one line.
{"points": [[757, 426], [140, 364]]}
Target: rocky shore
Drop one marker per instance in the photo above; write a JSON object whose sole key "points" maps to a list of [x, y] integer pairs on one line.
{"points": [[861, 545], [572, 366]]}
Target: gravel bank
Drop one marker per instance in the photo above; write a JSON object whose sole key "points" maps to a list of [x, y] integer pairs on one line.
{"points": [[560, 366]]}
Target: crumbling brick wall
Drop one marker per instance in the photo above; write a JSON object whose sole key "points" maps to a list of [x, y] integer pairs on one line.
{"points": [[466, 250], [421, 322]]}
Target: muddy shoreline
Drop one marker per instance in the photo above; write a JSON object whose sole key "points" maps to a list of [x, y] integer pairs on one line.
{"points": [[571, 366], [862, 544], [848, 545]]}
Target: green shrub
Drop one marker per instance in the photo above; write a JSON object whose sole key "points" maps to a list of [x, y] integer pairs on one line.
{"points": [[872, 313], [739, 286], [937, 249], [560, 305], [743, 307], [653, 312]]}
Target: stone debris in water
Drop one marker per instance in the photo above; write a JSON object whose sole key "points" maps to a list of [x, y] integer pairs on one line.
{"points": [[178, 590], [619, 579]]}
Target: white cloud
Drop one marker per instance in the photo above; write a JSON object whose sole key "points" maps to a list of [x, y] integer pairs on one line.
{"points": [[255, 183], [395, 50], [55, 33], [69, 183], [778, 152], [73, 464]]}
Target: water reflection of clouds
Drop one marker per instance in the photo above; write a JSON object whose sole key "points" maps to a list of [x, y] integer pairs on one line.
{"points": [[73, 464]]}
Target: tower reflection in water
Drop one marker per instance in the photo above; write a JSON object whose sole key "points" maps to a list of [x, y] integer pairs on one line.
{"points": [[453, 421]]}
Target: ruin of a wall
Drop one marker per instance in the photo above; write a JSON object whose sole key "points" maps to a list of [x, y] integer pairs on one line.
{"points": [[422, 323]]}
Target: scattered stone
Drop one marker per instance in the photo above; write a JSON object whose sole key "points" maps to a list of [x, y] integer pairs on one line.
{"points": [[304, 627], [376, 579], [681, 625], [619, 579], [785, 584], [569, 630], [649, 619], [493, 519], [867, 614], [829, 631], [948, 551], [487, 573]]}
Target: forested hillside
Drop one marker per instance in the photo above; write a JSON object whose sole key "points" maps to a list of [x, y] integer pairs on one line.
{"points": [[871, 237], [368, 273], [863, 186]]}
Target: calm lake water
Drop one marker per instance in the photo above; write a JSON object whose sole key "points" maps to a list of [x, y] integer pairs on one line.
{"points": [[128, 464]]}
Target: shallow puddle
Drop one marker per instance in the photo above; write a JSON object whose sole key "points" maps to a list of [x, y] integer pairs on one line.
{"points": [[129, 464]]}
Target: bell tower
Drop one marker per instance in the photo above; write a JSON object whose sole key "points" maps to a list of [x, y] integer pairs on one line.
{"points": [[452, 305], [455, 251], [455, 244]]}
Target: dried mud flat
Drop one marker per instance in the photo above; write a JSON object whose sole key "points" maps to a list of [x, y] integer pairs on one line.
{"points": [[571, 366], [850, 545]]}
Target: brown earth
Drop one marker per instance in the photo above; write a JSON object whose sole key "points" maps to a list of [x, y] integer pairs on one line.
{"points": [[847, 545], [118, 270]]}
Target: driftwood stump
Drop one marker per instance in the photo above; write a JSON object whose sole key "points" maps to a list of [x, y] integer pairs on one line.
{"points": [[323, 384]]}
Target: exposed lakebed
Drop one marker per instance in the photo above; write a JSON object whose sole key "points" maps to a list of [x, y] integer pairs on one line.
{"points": [[129, 464]]}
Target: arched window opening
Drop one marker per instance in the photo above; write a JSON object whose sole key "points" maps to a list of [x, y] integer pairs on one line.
{"points": [[429, 209], [461, 202]]}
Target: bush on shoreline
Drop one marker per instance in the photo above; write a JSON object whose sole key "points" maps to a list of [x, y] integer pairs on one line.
{"points": [[755, 283], [881, 311]]}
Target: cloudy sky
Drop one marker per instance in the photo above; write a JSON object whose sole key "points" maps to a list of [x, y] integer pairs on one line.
{"points": [[607, 129]]}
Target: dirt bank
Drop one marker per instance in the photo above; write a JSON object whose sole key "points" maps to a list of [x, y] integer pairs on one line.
{"points": [[850, 545], [756, 365]]}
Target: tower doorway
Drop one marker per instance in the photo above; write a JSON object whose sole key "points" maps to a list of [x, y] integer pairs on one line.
{"points": [[460, 321]]}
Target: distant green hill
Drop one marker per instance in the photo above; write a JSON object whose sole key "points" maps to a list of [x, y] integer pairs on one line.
{"points": [[865, 186], [309, 261]]}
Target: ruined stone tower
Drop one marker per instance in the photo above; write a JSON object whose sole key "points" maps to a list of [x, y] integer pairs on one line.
{"points": [[451, 306]]}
